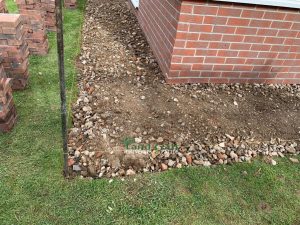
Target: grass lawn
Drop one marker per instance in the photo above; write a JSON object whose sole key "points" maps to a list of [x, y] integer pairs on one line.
{"points": [[33, 191]]}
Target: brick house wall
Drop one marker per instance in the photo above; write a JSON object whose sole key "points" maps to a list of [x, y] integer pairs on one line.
{"points": [[159, 20], [219, 42]]}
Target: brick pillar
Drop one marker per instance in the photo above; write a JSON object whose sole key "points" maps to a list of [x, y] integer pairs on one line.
{"points": [[45, 6], [14, 49], [36, 34], [70, 4], [8, 115], [49, 8], [3, 8]]}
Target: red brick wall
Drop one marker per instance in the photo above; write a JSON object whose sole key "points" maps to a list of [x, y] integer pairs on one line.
{"points": [[159, 21], [224, 42]]}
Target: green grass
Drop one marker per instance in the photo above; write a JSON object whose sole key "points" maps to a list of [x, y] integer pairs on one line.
{"points": [[33, 191]]}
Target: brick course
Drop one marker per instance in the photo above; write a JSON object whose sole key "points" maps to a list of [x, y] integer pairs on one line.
{"points": [[14, 49], [218, 42]]}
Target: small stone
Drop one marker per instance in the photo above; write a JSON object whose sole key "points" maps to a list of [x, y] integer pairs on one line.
{"points": [[207, 164], [233, 155], [166, 154], [179, 166], [86, 100], [222, 145], [77, 154], [198, 162], [143, 97], [294, 160], [290, 149], [273, 162], [71, 162], [163, 167], [281, 154], [184, 161], [175, 99], [76, 168], [153, 154], [105, 115], [91, 154], [89, 124], [160, 140], [84, 173], [130, 172], [74, 132], [87, 108], [101, 174], [189, 159], [138, 140], [122, 172], [230, 137], [222, 156], [92, 171], [171, 163]]}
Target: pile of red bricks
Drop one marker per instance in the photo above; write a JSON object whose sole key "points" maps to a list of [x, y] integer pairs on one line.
{"points": [[36, 33], [70, 4], [45, 6], [49, 7], [3, 8], [8, 114], [14, 49]]}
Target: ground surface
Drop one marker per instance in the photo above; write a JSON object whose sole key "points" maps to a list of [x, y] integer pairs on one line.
{"points": [[33, 190], [124, 93]]}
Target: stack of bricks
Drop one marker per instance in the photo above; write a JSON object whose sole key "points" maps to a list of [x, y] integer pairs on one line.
{"points": [[70, 4], [36, 34], [3, 8], [45, 6], [14, 49], [49, 7], [8, 114]]}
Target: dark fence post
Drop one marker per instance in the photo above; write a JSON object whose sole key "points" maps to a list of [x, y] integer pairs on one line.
{"points": [[61, 66]]}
